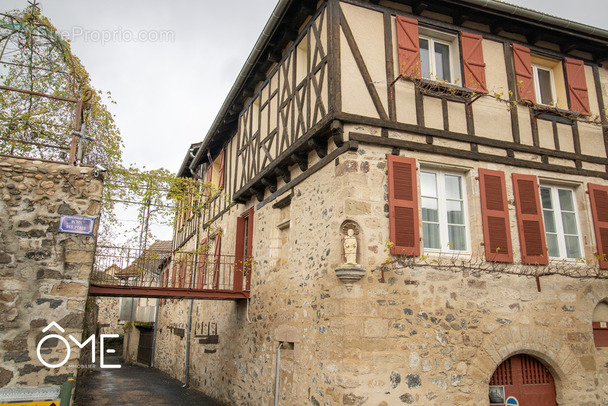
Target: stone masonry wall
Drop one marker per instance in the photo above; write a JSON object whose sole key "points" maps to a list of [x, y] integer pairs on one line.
{"points": [[418, 336], [43, 273]]}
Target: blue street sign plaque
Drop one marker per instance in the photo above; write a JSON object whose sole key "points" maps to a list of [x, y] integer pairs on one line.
{"points": [[76, 224]]}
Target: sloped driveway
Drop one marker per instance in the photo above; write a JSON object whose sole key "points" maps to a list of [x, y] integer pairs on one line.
{"points": [[135, 385]]}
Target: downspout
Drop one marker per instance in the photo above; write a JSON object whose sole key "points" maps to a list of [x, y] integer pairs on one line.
{"points": [[156, 309], [187, 374], [277, 375], [189, 329]]}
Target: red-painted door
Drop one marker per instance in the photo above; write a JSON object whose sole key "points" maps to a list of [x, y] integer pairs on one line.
{"points": [[525, 378]]}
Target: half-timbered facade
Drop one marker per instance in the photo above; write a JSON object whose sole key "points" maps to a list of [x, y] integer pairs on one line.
{"points": [[461, 148]]}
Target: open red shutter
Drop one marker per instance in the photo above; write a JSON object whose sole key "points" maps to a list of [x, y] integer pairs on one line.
{"points": [[220, 182], [239, 251], [408, 46], [530, 220], [495, 216], [577, 86], [598, 195], [472, 60], [249, 264], [523, 72], [202, 264], [403, 206], [217, 259]]}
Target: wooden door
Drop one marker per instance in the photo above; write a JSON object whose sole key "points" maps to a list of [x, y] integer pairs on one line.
{"points": [[525, 378], [144, 349]]}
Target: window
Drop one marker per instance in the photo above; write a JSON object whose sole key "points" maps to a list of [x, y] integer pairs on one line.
{"points": [[439, 56], [551, 82], [443, 211], [429, 54], [561, 224], [544, 85]]}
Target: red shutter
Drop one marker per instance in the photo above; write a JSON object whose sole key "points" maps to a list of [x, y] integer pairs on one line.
{"points": [[472, 60], [220, 182], [523, 72], [249, 264], [403, 206], [239, 251], [202, 264], [577, 86], [495, 216], [182, 272], [217, 259], [408, 46], [598, 195], [530, 220]]}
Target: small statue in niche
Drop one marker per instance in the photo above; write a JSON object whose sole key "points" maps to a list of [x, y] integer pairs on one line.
{"points": [[350, 247]]}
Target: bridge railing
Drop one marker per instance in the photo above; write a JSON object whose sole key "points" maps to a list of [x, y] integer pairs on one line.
{"points": [[201, 271]]}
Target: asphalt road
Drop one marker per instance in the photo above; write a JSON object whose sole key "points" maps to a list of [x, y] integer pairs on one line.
{"points": [[135, 385]]}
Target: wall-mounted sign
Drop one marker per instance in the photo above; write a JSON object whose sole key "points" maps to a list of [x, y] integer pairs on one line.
{"points": [[512, 401], [76, 225]]}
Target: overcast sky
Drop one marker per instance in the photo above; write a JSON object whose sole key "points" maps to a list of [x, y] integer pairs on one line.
{"points": [[170, 64]]}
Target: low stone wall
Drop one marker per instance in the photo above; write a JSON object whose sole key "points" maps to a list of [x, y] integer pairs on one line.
{"points": [[44, 274]]}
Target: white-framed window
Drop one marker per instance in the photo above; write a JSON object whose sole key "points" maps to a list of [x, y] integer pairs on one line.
{"points": [[439, 56], [444, 219], [544, 85], [562, 229]]}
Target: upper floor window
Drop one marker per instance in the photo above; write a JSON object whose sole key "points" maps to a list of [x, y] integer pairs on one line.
{"points": [[542, 80], [544, 85], [438, 57], [561, 224], [443, 211]]}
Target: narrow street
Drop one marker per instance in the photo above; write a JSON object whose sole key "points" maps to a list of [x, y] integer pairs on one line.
{"points": [[135, 385]]}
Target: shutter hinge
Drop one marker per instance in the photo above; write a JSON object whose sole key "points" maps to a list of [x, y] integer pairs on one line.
{"points": [[476, 177], [482, 244]]}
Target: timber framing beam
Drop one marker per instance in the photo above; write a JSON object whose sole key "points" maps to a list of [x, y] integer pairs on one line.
{"points": [[473, 155]]}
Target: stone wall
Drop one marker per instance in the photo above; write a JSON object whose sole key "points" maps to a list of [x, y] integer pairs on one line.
{"points": [[43, 273], [416, 336]]}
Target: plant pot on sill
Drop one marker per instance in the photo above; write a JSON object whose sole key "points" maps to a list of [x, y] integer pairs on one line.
{"points": [[349, 274]]}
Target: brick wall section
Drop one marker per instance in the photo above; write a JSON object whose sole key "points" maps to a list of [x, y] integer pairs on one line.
{"points": [[44, 274]]}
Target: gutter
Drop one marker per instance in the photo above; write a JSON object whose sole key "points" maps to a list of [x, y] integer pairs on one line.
{"points": [[538, 17], [253, 57]]}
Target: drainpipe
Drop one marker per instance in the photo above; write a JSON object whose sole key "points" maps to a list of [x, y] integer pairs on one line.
{"points": [[189, 329], [156, 309], [277, 375], [187, 374]]}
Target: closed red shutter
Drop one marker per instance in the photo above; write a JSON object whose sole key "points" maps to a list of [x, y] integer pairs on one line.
{"points": [[403, 206], [408, 46], [523, 72], [530, 220], [577, 86], [598, 195], [472, 60], [220, 182], [495, 216], [217, 259]]}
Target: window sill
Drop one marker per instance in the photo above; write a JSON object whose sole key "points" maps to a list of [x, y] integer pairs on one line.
{"points": [[551, 113], [448, 90]]}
